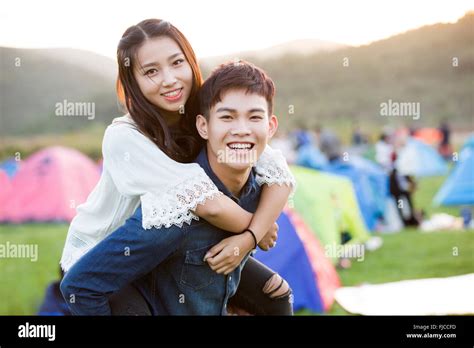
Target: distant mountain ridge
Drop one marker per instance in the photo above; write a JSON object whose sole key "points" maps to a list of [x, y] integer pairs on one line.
{"points": [[337, 85], [303, 47]]}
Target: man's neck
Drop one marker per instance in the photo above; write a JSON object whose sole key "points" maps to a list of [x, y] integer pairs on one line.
{"points": [[234, 180]]}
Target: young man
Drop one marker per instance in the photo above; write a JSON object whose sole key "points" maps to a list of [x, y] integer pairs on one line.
{"points": [[195, 269]]}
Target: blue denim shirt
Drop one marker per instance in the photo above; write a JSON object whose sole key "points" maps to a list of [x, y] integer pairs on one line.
{"points": [[184, 284]]}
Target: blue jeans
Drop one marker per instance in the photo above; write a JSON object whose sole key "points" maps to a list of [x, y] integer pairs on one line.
{"points": [[182, 284]]}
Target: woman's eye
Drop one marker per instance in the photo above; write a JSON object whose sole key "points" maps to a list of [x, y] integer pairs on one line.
{"points": [[178, 61], [151, 72]]}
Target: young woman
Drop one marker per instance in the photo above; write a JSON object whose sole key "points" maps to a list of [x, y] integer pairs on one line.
{"points": [[149, 163]]}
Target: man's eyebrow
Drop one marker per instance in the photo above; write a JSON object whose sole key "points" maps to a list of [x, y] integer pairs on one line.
{"points": [[157, 64], [234, 111], [256, 110], [224, 109]]}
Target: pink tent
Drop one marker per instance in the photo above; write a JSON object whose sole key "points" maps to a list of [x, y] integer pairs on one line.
{"points": [[49, 186], [324, 271], [5, 187]]}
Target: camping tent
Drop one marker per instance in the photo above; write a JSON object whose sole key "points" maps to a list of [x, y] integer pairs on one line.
{"points": [[311, 157], [430, 136], [370, 184], [328, 204], [327, 278], [10, 166], [369, 180], [418, 159], [289, 259], [458, 188], [299, 259], [49, 186], [5, 187]]}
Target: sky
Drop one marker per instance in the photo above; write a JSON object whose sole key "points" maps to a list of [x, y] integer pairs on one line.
{"points": [[217, 27]]}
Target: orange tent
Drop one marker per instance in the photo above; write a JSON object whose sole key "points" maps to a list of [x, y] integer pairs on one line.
{"points": [[430, 136]]}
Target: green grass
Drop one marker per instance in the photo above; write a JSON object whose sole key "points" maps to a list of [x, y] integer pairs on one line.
{"points": [[412, 255], [409, 254], [426, 190], [23, 282]]}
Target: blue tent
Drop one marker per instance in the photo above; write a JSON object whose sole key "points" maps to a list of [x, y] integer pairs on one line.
{"points": [[369, 180], [302, 137], [419, 159], [370, 184], [458, 189], [311, 157], [469, 143], [289, 259], [379, 181], [10, 166]]}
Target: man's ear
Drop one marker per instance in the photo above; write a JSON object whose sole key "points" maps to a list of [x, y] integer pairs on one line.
{"points": [[273, 123], [201, 125]]}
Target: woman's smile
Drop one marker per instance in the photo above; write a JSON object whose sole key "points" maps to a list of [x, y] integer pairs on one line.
{"points": [[174, 95]]}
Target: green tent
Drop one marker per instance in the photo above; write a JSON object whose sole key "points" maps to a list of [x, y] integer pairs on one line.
{"points": [[329, 206]]}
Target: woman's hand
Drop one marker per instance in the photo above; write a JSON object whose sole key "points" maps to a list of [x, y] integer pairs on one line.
{"points": [[269, 240], [225, 256]]}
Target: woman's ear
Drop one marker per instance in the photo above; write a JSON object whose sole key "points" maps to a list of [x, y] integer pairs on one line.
{"points": [[273, 126], [201, 125]]}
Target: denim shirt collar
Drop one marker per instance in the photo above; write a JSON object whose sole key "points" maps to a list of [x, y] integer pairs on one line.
{"points": [[249, 187]]}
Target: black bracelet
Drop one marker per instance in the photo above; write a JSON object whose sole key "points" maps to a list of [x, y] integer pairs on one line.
{"points": [[253, 235]]}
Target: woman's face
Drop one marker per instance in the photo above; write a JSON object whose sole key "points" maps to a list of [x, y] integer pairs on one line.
{"points": [[163, 74]]}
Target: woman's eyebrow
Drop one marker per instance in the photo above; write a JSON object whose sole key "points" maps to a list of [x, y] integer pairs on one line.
{"points": [[175, 55], [158, 64]]}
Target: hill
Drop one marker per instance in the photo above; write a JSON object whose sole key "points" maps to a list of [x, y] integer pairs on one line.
{"points": [[341, 86]]}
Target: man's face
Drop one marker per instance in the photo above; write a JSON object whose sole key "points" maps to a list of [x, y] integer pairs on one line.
{"points": [[238, 129]]}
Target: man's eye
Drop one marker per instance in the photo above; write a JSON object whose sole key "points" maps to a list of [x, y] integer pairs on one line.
{"points": [[256, 117], [225, 117]]}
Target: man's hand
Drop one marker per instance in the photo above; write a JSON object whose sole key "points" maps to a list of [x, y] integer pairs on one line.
{"points": [[269, 240], [225, 256]]}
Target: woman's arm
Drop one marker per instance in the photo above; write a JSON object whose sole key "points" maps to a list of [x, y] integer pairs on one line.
{"points": [[222, 257], [223, 212], [272, 202]]}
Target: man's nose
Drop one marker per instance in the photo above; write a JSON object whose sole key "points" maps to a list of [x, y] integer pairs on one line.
{"points": [[241, 128]]}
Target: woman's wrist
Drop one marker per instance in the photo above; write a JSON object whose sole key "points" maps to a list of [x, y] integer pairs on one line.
{"points": [[254, 237]]}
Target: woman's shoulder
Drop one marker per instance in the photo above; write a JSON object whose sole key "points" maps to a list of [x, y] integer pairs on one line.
{"points": [[126, 120], [122, 130], [122, 125]]}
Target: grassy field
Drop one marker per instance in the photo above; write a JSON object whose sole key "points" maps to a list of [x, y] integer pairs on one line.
{"points": [[409, 254], [412, 255]]}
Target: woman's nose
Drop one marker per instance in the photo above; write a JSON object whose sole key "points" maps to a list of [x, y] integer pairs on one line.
{"points": [[168, 78]]}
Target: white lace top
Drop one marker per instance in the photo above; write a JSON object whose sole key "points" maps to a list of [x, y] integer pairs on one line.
{"points": [[136, 171]]}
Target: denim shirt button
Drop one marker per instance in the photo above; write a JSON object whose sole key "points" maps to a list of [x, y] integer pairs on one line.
{"points": [[230, 278]]}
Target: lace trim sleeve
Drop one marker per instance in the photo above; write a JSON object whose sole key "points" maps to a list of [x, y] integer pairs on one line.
{"points": [[174, 207]]}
